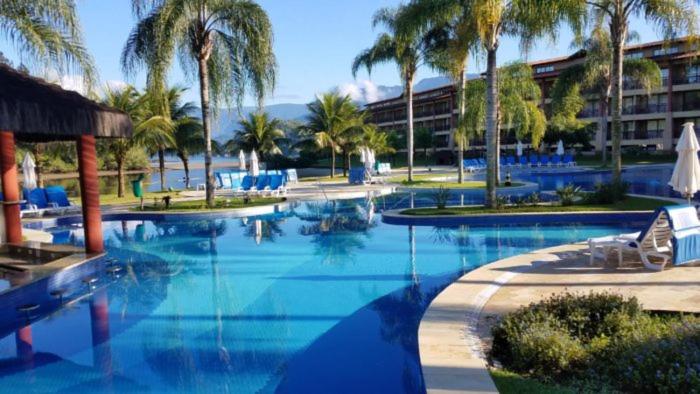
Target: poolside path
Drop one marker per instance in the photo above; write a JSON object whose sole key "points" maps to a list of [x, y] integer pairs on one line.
{"points": [[455, 330]]}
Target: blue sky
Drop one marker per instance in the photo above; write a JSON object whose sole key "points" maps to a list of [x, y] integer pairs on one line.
{"points": [[315, 42]]}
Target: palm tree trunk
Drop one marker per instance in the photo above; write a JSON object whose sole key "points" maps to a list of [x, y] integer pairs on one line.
{"points": [[161, 168], [460, 120], [492, 134], [345, 162], [332, 162], [603, 127], [37, 152], [204, 97], [186, 166], [409, 124], [618, 38], [121, 178]]}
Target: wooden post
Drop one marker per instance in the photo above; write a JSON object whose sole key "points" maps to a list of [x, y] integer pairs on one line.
{"points": [[10, 187], [90, 194]]}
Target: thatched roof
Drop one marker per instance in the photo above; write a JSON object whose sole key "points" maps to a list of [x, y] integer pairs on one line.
{"points": [[36, 110]]}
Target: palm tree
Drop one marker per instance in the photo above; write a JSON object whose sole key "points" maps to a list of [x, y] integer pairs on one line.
{"points": [[527, 20], [228, 44], [331, 117], [379, 142], [596, 75], [672, 16], [48, 32], [259, 133], [450, 25], [187, 130], [149, 129], [408, 50]]}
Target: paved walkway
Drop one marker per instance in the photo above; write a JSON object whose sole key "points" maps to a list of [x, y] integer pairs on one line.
{"points": [[455, 330]]}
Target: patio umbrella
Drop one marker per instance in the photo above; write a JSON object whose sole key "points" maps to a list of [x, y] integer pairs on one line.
{"points": [[254, 165], [28, 171], [560, 148], [363, 156], [686, 174], [369, 159], [519, 148], [241, 160]]}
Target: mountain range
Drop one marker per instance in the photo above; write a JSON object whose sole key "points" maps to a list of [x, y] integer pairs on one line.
{"points": [[361, 93]]}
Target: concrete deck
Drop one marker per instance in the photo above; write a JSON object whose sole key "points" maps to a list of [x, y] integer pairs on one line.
{"points": [[455, 330]]}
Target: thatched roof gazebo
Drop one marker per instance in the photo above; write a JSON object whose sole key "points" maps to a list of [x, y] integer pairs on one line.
{"points": [[34, 110]]}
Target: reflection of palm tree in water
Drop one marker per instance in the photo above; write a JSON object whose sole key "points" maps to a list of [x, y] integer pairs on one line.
{"points": [[224, 356], [262, 230], [337, 228]]}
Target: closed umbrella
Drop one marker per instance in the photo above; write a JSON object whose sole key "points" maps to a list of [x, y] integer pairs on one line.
{"points": [[254, 165], [369, 159], [560, 148], [363, 155], [686, 174], [28, 171], [519, 148], [241, 160]]}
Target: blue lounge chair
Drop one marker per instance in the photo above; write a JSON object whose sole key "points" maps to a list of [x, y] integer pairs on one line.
{"points": [[523, 161], [236, 179], [556, 160], [357, 176], [57, 195], [544, 161], [510, 161], [534, 161], [24, 208], [503, 161], [468, 165], [673, 235], [36, 200], [262, 184], [277, 185], [291, 174], [569, 161], [246, 186]]}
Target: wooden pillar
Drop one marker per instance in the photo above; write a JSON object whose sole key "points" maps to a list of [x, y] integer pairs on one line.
{"points": [[90, 194], [10, 187]]}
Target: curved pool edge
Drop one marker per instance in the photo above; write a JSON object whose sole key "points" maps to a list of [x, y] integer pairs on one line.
{"points": [[450, 349], [395, 217], [525, 188]]}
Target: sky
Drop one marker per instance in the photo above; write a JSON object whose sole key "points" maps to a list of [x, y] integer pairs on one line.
{"points": [[315, 43]]}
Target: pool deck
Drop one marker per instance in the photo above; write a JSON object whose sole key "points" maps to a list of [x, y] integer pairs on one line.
{"points": [[455, 329]]}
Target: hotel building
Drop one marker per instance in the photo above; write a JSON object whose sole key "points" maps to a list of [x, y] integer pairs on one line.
{"points": [[652, 121]]}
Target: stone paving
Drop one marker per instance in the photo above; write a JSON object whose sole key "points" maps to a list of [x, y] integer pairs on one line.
{"points": [[455, 330]]}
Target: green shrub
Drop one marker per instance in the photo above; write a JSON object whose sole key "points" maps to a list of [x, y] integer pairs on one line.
{"points": [[600, 339], [441, 196], [568, 194], [608, 193]]}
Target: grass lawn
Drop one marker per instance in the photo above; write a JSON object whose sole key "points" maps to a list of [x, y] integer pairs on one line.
{"points": [[324, 178], [629, 204], [427, 180], [511, 383], [200, 205], [112, 199]]}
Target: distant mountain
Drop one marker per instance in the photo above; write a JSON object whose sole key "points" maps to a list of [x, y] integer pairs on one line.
{"points": [[362, 93]]}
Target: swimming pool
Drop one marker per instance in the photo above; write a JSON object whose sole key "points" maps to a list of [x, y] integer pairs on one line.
{"points": [[322, 298]]}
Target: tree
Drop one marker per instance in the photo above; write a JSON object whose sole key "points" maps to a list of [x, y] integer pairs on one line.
{"points": [[259, 133], [149, 129], [48, 32], [407, 50], [424, 140], [331, 117], [228, 44], [672, 16], [187, 130], [595, 75], [527, 20], [450, 26], [380, 142]]}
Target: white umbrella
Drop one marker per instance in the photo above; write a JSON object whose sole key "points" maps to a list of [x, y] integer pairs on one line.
{"points": [[519, 148], [241, 160], [254, 165], [369, 159], [560, 148], [363, 157], [686, 175], [28, 171]]}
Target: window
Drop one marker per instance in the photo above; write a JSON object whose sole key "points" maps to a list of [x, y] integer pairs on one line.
{"points": [[666, 51], [655, 128], [544, 69], [693, 73], [634, 55]]}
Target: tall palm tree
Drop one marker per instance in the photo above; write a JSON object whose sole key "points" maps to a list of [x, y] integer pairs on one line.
{"points": [[47, 32], [450, 25], [228, 44], [149, 129], [259, 133], [331, 117], [672, 16], [595, 75], [527, 20], [187, 130], [408, 50]]}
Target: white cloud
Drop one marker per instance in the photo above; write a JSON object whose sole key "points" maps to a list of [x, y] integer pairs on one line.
{"points": [[363, 91]]}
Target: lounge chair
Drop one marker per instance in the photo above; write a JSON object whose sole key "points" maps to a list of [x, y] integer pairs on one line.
{"points": [[544, 161], [522, 161], [37, 201], [568, 161], [534, 161], [57, 195], [25, 209], [277, 185], [246, 186], [510, 161], [556, 161], [262, 184], [672, 236], [291, 175]]}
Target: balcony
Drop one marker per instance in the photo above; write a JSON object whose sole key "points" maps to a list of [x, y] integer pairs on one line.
{"points": [[642, 134], [688, 79], [644, 109]]}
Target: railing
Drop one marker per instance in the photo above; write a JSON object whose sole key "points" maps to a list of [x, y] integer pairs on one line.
{"points": [[688, 79]]}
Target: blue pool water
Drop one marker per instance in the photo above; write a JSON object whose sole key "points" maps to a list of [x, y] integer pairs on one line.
{"points": [[323, 298]]}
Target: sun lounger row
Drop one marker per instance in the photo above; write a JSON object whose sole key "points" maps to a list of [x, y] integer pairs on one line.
{"points": [[474, 165], [51, 200], [673, 235], [247, 185], [538, 161], [382, 168]]}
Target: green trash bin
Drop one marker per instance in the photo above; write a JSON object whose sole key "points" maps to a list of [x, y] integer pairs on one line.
{"points": [[137, 188]]}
